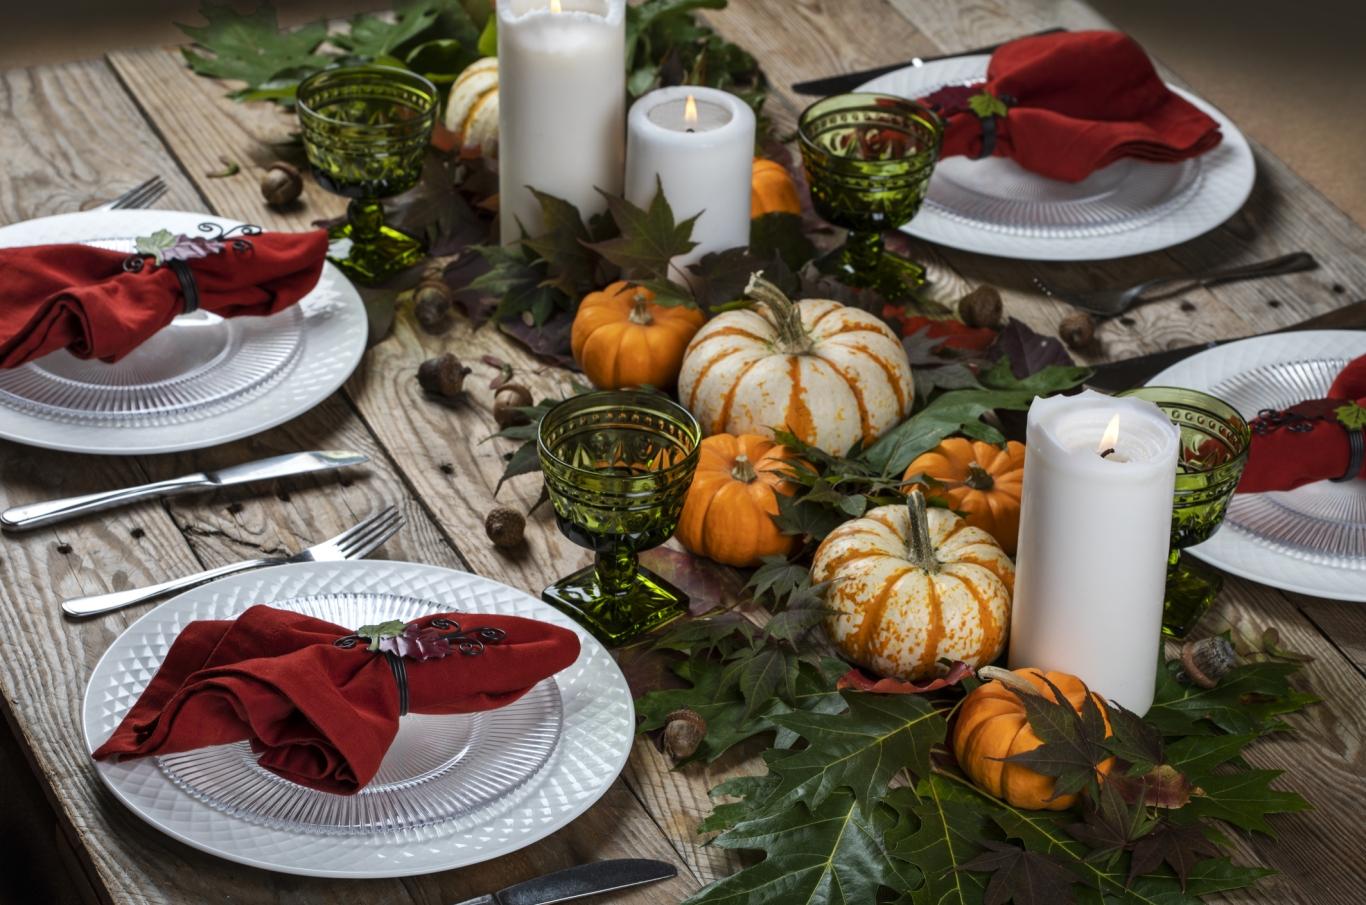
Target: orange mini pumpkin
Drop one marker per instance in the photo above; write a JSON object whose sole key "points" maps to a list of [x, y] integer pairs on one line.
{"points": [[772, 190], [991, 725], [622, 339], [980, 480], [728, 515]]}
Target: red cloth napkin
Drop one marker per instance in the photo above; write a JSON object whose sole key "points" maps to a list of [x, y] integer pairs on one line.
{"points": [[1307, 442], [1078, 101], [82, 299], [318, 714]]}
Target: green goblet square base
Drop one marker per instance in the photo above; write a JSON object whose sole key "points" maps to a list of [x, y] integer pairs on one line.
{"points": [[1191, 590], [617, 616], [862, 261], [375, 257]]}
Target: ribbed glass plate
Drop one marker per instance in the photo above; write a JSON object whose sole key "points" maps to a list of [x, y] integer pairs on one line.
{"points": [[1324, 522], [439, 768]]}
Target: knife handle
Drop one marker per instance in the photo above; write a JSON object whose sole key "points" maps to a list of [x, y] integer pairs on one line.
{"points": [[586, 880], [34, 515]]}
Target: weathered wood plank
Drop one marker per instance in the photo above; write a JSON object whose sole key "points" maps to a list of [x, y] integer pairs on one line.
{"points": [[1344, 624]]}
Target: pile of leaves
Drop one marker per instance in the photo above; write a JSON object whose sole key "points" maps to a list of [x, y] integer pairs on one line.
{"points": [[862, 800]]}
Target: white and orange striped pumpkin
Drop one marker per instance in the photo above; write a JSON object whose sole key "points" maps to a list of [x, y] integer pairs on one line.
{"points": [[472, 110], [910, 586], [830, 374]]}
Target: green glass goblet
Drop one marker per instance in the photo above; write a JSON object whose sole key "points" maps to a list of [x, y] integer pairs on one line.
{"points": [[868, 159], [617, 468], [365, 130], [1214, 445]]}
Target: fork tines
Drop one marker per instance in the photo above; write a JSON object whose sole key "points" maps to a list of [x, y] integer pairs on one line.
{"points": [[140, 195], [362, 539]]}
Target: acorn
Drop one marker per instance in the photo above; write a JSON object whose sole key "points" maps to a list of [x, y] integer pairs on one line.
{"points": [[281, 184], [684, 731], [432, 305], [505, 527], [1206, 661], [1078, 330], [443, 376], [982, 307], [507, 405]]}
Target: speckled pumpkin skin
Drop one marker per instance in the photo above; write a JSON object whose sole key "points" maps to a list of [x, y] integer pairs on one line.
{"points": [[854, 384], [472, 109], [897, 619], [991, 725]]}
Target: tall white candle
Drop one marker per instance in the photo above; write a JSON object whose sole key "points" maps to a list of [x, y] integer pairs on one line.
{"points": [[1094, 536], [561, 106], [702, 153]]}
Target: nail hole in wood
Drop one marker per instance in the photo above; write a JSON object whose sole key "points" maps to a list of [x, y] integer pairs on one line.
{"points": [[282, 496], [234, 508], [447, 468], [1339, 288], [1187, 306], [138, 533], [63, 549], [1273, 303], [1127, 321]]}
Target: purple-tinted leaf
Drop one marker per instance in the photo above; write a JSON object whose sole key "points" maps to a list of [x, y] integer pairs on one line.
{"points": [[549, 340], [707, 584], [417, 643], [858, 680], [1028, 350]]}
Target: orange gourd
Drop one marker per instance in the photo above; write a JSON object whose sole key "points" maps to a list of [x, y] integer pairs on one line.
{"points": [[620, 338], [980, 480], [991, 725], [772, 190], [728, 514]]}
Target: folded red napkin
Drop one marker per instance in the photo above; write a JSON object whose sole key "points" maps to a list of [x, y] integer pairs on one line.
{"points": [[87, 301], [1310, 441], [315, 702], [1073, 102]]}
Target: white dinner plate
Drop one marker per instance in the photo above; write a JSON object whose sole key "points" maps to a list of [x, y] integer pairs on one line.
{"points": [[996, 207], [593, 744], [1311, 539], [198, 382]]}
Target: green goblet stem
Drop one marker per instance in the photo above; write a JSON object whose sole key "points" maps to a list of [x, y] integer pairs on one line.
{"points": [[863, 253], [366, 216], [617, 569]]}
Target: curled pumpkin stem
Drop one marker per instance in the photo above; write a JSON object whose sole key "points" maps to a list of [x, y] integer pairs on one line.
{"points": [[919, 545], [1011, 680], [787, 315]]}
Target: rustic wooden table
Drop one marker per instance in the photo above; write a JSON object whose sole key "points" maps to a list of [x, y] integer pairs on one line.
{"points": [[75, 134]]}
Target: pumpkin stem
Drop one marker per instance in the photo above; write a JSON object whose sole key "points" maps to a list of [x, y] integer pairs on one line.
{"points": [[787, 316], [743, 470], [979, 478], [919, 546], [640, 314], [1011, 680]]}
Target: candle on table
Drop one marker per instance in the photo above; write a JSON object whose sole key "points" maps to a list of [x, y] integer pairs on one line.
{"points": [[1095, 527], [561, 106], [698, 143]]}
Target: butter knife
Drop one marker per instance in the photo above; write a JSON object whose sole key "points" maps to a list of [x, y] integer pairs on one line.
{"points": [[33, 515], [577, 882]]}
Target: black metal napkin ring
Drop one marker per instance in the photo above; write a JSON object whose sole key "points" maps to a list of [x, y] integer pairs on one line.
{"points": [[400, 680], [188, 287], [1356, 440]]}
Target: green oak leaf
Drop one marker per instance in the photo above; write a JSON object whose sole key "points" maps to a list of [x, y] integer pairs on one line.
{"points": [[1352, 415], [1242, 799], [250, 47], [940, 828], [985, 104], [777, 579], [1249, 699], [370, 36], [374, 634], [650, 237]]}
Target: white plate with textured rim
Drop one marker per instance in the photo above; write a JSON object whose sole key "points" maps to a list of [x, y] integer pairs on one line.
{"points": [[1266, 372], [996, 207], [598, 729], [330, 322]]}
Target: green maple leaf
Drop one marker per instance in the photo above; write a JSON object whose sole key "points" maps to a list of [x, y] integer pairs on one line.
{"points": [[1243, 799], [1352, 415], [985, 104], [940, 828], [564, 247], [1198, 755], [781, 235], [1249, 699], [519, 280], [777, 579], [650, 237], [250, 47], [374, 634], [370, 36]]}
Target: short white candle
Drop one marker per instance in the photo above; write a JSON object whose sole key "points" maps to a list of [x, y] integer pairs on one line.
{"points": [[703, 155], [1094, 536], [561, 106]]}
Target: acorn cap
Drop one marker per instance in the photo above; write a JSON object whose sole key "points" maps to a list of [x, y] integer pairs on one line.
{"points": [[1206, 661]]}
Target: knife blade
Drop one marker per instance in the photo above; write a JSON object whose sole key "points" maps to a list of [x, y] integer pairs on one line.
{"points": [[839, 84], [34, 515], [579, 881], [1116, 376]]}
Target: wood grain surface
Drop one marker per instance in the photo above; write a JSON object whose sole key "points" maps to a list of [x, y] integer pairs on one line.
{"points": [[82, 133]]}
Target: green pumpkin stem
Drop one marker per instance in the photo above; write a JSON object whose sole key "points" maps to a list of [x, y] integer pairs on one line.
{"points": [[743, 469], [979, 478], [1011, 680], [919, 546], [787, 315]]}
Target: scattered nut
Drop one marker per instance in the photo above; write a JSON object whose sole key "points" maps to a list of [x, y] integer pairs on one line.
{"points": [[506, 404], [432, 306], [505, 527], [281, 184], [684, 731], [443, 376], [1205, 662], [982, 307], [1078, 330]]}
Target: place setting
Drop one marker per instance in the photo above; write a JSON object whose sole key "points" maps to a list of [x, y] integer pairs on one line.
{"points": [[904, 585]]}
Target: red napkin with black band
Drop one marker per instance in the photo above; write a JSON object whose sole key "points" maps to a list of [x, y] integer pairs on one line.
{"points": [[318, 706], [97, 303], [1064, 105], [1310, 441]]}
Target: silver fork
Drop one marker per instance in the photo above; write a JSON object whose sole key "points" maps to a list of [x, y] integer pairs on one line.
{"points": [[356, 542], [1114, 302], [139, 196]]}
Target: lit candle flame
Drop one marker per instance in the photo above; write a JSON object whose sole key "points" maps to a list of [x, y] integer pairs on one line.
{"points": [[690, 111], [555, 6], [1110, 439]]}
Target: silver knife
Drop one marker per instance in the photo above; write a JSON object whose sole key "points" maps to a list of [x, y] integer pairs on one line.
{"points": [[33, 515], [577, 882]]}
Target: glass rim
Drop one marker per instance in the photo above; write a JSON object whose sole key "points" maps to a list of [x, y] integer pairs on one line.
{"points": [[1238, 462], [906, 105], [629, 399], [415, 80]]}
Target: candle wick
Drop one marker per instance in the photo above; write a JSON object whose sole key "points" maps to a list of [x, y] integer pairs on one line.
{"points": [[690, 131], [1108, 452]]}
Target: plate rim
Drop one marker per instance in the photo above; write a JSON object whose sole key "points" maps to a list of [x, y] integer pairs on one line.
{"points": [[618, 762], [27, 429]]}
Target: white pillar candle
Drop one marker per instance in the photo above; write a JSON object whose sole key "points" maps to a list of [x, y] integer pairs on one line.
{"points": [[1094, 534], [561, 106], [703, 154]]}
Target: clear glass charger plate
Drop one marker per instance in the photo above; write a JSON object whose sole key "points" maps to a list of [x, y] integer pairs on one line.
{"points": [[1311, 539], [438, 768]]}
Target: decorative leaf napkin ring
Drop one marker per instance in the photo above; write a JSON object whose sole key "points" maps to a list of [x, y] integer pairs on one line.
{"points": [[417, 642], [175, 251]]}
